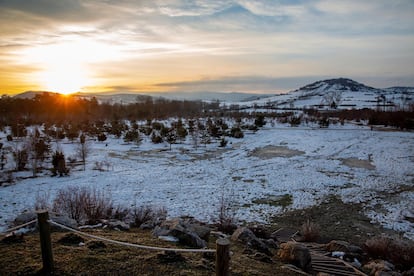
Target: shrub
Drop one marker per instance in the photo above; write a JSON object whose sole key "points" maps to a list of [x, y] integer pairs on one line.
{"points": [[144, 214], [396, 250], [227, 218], [132, 136], [260, 120], [223, 142], [236, 132], [83, 204], [102, 137], [156, 139], [59, 164], [310, 231], [21, 158], [295, 121]]}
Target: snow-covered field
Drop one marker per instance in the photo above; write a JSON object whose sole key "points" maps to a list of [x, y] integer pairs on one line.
{"points": [[189, 181]]}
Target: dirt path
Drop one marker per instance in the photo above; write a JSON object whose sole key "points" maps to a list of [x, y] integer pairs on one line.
{"points": [[336, 219], [268, 152]]}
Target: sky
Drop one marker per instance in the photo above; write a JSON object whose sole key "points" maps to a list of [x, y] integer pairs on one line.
{"points": [[260, 46]]}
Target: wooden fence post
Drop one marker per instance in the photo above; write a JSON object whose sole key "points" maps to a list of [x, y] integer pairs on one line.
{"points": [[222, 257], [45, 241]]}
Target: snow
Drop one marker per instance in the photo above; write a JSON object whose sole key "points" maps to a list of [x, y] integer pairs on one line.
{"points": [[188, 181]]}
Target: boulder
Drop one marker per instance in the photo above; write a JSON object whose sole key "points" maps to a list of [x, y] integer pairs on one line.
{"points": [[64, 220], [187, 237], [350, 251], [187, 230], [117, 224], [246, 236], [260, 231], [296, 254], [24, 217]]}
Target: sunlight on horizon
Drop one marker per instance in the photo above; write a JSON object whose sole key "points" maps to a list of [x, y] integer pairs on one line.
{"points": [[66, 67]]}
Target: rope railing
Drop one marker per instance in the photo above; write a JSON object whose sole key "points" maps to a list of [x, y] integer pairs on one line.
{"points": [[154, 248], [10, 230]]}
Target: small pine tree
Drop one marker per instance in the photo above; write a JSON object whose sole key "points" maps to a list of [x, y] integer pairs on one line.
{"points": [[59, 164]]}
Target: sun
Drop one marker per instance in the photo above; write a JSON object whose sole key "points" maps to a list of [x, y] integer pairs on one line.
{"points": [[64, 67], [63, 79]]}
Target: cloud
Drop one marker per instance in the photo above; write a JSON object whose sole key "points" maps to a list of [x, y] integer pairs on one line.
{"points": [[177, 42], [255, 84]]}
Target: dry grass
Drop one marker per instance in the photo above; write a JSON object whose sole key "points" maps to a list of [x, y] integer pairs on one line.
{"points": [[398, 251], [25, 258], [310, 231]]}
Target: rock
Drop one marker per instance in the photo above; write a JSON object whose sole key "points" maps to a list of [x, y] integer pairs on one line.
{"points": [[335, 246], [243, 234], [188, 238], [24, 217], [260, 231], [246, 236], [350, 251], [117, 224], [380, 268], [271, 243], [296, 254], [160, 231], [202, 231], [187, 230], [71, 239], [64, 220]]}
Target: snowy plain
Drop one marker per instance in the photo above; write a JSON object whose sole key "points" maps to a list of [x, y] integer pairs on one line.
{"points": [[192, 181]]}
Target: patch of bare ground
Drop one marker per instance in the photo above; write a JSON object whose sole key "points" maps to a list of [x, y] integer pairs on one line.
{"points": [[268, 152], [24, 258], [358, 163], [337, 221]]}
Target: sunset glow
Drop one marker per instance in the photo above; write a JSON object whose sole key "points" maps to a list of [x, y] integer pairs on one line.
{"points": [[246, 46]]}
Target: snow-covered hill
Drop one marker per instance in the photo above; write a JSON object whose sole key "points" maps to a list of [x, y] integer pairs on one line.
{"points": [[340, 93]]}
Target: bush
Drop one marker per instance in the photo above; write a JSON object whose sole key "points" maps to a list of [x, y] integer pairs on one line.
{"points": [[59, 164], [398, 251], [236, 132], [310, 231], [223, 142], [83, 204], [156, 139], [260, 120], [102, 137], [227, 217], [21, 158], [145, 214], [295, 121]]}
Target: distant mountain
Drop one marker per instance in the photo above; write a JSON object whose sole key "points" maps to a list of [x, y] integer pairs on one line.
{"points": [[31, 94], [340, 93], [212, 96], [130, 97]]}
